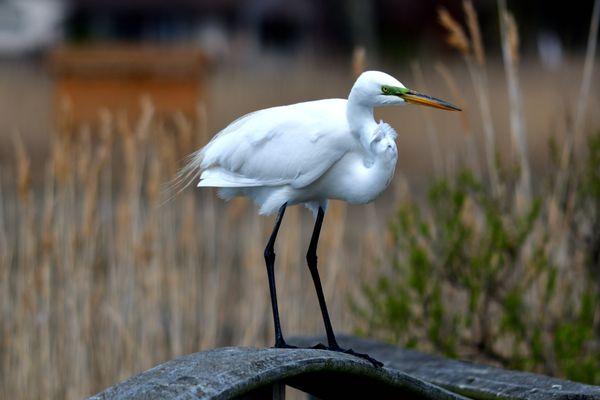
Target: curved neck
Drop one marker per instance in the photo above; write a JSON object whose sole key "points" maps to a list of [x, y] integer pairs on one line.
{"points": [[359, 114]]}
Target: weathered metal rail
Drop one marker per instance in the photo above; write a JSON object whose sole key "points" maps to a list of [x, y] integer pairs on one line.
{"points": [[248, 373]]}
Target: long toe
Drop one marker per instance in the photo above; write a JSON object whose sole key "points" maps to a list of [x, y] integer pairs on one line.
{"points": [[376, 363], [284, 345]]}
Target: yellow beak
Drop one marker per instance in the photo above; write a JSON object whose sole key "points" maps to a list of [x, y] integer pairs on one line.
{"points": [[419, 98]]}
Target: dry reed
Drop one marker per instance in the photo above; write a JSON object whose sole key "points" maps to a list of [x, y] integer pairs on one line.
{"points": [[97, 281], [432, 132], [458, 39], [510, 53]]}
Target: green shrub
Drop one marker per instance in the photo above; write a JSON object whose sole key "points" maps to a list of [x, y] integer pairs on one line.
{"points": [[474, 274]]}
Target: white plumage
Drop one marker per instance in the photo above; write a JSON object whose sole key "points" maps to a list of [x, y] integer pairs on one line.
{"points": [[306, 152], [291, 145]]}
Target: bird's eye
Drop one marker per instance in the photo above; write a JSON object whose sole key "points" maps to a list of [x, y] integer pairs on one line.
{"points": [[385, 90]]}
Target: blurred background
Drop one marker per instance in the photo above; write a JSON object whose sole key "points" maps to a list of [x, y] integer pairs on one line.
{"points": [[486, 246]]}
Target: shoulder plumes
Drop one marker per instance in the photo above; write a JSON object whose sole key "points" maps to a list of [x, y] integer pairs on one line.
{"points": [[385, 130]]}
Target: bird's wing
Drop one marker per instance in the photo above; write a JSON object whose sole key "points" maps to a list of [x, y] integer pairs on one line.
{"points": [[292, 145]]}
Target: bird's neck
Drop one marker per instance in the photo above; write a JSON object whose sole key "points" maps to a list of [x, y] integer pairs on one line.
{"points": [[359, 114]]}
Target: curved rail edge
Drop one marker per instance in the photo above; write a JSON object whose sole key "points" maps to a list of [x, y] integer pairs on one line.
{"points": [[477, 381], [232, 372]]}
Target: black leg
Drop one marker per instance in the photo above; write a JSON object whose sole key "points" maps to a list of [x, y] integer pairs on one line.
{"points": [[311, 259], [270, 261]]}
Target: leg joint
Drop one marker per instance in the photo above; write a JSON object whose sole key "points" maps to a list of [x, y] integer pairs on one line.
{"points": [[311, 257], [269, 254]]}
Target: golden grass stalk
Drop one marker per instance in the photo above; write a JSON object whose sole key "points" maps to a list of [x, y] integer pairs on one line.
{"points": [[474, 32], [90, 197], [60, 161], [184, 134], [23, 168], [573, 135], [202, 125], [459, 99], [459, 40], [456, 35], [65, 122], [586, 81], [471, 148], [510, 51], [432, 136], [359, 58], [512, 36]]}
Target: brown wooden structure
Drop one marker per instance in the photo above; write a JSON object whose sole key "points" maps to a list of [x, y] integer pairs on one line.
{"points": [[117, 77]]}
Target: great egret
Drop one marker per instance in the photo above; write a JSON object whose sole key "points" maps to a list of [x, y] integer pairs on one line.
{"points": [[307, 153]]}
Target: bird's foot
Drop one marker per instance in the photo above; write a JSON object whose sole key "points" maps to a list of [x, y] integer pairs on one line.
{"points": [[376, 363], [364, 356], [281, 344]]}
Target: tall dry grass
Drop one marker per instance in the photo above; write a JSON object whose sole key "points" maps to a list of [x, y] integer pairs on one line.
{"points": [[98, 280], [472, 50]]}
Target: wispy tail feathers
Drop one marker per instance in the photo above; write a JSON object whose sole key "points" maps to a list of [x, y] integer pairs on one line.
{"points": [[184, 177]]}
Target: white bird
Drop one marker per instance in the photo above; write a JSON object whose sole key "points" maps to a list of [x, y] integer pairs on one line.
{"points": [[308, 153]]}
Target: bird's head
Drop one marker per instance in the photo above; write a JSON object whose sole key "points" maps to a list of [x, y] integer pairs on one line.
{"points": [[376, 88]]}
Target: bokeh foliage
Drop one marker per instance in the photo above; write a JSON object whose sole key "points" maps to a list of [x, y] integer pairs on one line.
{"points": [[472, 273]]}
